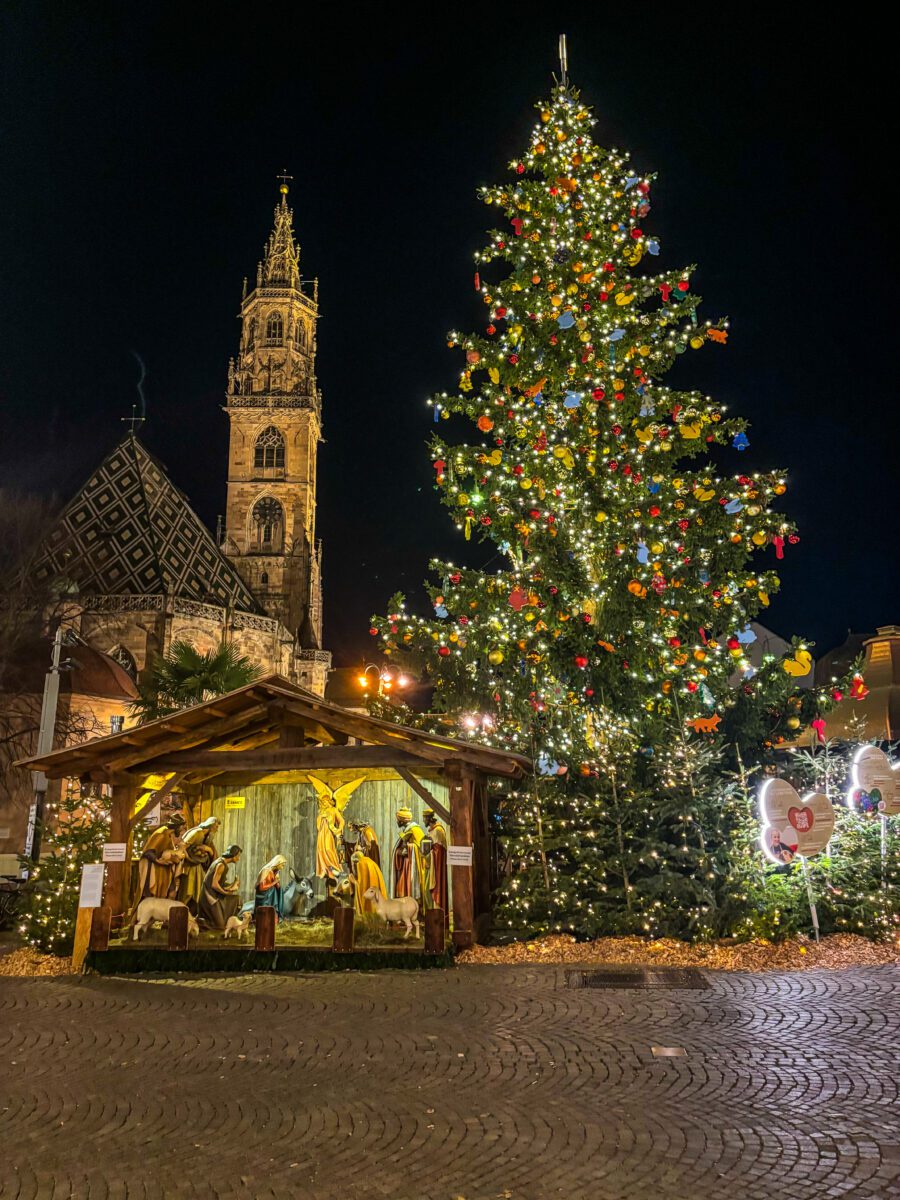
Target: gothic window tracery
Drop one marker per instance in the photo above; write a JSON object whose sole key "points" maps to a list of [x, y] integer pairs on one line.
{"points": [[274, 329], [268, 453], [268, 526], [251, 334]]}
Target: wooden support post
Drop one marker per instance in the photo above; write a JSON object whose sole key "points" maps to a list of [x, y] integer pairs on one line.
{"points": [[265, 928], [82, 937], [461, 834], [434, 931], [179, 917], [123, 795], [101, 921], [343, 930]]}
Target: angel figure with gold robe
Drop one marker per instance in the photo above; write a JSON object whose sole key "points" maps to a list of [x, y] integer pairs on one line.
{"points": [[330, 825]]}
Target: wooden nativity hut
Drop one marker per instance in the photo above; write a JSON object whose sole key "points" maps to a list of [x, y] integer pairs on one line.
{"points": [[247, 758]]}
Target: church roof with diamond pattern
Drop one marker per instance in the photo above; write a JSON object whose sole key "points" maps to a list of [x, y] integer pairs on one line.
{"points": [[130, 530]]}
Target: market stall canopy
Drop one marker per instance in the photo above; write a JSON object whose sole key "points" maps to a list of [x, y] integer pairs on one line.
{"points": [[269, 726]]}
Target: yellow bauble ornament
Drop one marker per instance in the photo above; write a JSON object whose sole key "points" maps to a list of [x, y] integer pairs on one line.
{"points": [[545, 116], [525, 484], [495, 658], [758, 539], [618, 384], [657, 548], [696, 343], [793, 722], [779, 489], [600, 518], [462, 500]]}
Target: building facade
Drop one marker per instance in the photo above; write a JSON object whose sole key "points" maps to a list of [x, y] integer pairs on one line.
{"points": [[144, 570]]}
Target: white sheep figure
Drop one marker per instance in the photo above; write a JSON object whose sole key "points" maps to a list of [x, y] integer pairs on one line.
{"points": [[405, 909], [238, 926]]}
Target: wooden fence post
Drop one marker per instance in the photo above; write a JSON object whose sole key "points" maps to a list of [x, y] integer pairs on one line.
{"points": [[434, 931], [179, 919], [265, 928], [342, 942]]}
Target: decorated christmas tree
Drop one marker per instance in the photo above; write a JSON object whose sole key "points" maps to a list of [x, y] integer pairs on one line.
{"points": [[73, 834], [608, 630]]}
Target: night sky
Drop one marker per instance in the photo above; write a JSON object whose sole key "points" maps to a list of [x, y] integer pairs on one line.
{"points": [[140, 145]]}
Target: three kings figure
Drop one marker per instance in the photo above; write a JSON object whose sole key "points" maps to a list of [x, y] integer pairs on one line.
{"points": [[419, 860]]}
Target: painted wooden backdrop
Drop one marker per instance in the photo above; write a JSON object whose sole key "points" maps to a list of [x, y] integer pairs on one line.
{"points": [[280, 818]]}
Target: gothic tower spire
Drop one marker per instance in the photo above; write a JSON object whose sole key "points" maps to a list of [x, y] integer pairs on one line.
{"points": [[281, 266], [274, 409]]}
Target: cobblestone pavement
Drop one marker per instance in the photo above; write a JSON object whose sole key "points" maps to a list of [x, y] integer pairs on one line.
{"points": [[483, 1082]]}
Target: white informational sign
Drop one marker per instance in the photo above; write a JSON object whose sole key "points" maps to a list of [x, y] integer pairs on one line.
{"points": [[875, 783], [152, 815], [91, 894], [459, 856], [235, 802], [793, 827], [114, 851]]}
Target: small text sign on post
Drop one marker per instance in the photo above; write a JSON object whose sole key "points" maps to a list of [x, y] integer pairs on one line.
{"points": [[114, 851], [459, 856], [235, 802], [91, 894]]}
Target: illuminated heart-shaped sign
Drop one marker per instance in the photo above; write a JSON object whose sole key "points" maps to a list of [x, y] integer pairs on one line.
{"points": [[875, 783], [793, 826]]}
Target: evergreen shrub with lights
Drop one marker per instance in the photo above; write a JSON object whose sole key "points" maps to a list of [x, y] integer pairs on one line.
{"points": [[73, 833], [610, 643]]}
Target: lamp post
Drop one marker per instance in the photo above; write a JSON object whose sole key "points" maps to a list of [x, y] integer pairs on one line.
{"points": [[383, 680]]}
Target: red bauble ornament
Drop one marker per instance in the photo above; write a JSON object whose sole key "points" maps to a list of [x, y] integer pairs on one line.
{"points": [[637, 233], [443, 651], [455, 577], [500, 313], [520, 168], [373, 631], [580, 661], [683, 286], [598, 393]]}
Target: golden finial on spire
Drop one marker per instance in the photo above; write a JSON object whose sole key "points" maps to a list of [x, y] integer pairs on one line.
{"points": [[285, 178]]}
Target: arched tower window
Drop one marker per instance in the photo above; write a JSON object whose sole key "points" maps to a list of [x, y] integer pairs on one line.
{"points": [[274, 329], [300, 336], [268, 526], [269, 450]]}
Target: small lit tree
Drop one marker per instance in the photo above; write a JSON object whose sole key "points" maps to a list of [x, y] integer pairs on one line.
{"points": [[73, 834]]}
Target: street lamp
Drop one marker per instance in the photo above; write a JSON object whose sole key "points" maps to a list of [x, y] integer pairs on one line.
{"points": [[383, 680]]}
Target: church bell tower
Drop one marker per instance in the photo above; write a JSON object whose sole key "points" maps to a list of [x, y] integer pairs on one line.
{"points": [[274, 409]]}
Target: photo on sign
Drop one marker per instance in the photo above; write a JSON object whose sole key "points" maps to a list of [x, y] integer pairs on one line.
{"points": [[793, 825]]}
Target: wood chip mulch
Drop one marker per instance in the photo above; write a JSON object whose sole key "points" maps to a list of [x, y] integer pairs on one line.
{"points": [[798, 954], [26, 961]]}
